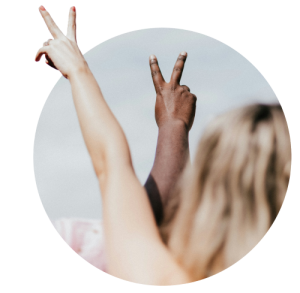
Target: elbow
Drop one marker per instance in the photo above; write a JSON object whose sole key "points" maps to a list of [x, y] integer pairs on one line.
{"points": [[102, 179], [99, 164], [100, 170]]}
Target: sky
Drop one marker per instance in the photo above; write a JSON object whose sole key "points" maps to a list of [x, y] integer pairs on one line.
{"points": [[219, 76]]}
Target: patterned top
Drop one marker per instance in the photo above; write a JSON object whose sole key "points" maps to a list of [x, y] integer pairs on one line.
{"points": [[85, 237]]}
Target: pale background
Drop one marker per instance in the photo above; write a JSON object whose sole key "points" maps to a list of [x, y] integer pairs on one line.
{"points": [[219, 76]]}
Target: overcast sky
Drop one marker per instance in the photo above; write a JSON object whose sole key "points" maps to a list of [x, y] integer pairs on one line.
{"points": [[219, 76]]}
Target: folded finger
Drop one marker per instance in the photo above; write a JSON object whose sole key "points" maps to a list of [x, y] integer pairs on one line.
{"points": [[157, 77], [178, 68], [53, 28], [41, 52], [186, 88], [71, 33], [47, 43]]}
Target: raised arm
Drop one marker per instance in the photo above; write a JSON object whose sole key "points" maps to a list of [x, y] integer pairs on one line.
{"points": [[101, 131], [135, 251], [174, 113]]}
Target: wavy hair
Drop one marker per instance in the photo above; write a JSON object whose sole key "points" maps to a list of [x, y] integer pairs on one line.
{"points": [[228, 199]]}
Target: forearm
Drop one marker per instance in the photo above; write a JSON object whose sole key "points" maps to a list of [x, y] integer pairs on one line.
{"points": [[171, 156], [104, 138]]}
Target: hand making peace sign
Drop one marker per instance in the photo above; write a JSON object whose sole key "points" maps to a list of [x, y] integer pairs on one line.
{"points": [[173, 101], [62, 53]]}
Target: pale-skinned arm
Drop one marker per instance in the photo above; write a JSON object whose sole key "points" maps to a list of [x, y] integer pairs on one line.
{"points": [[133, 244], [104, 137], [135, 251], [100, 129]]}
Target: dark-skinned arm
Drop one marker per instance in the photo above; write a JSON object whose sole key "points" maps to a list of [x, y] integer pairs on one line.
{"points": [[172, 153], [174, 113]]}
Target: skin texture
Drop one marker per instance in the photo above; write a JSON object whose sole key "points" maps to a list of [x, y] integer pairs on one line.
{"points": [[174, 113]]}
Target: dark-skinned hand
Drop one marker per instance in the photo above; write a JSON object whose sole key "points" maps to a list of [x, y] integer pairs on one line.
{"points": [[173, 101]]}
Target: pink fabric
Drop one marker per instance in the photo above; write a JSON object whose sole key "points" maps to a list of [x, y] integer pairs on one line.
{"points": [[85, 237]]}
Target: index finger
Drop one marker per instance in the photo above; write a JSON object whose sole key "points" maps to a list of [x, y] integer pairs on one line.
{"points": [[157, 77], [53, 28], [178, 68]]}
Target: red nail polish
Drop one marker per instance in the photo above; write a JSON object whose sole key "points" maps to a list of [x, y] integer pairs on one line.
{"points": [[42, 8], [73, 8]]}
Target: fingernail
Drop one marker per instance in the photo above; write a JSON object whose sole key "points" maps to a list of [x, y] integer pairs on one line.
{"points": [[152, 57], [42, 8], [73, 8], [183, 53]]}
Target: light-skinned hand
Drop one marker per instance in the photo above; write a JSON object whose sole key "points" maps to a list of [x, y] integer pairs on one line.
{"points": [[62, 52]]}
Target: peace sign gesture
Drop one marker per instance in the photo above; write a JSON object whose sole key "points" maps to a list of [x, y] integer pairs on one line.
{"points": [[62, 52], [173, 101]]}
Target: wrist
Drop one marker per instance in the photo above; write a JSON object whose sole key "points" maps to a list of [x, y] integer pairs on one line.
{"points": [[174, 132], [79, 70], [174, 125]]}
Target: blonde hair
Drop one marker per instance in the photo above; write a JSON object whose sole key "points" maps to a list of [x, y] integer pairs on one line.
{"points": [[228, 199]]}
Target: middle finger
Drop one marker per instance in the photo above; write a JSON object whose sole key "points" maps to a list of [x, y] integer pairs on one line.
{"points": [[71, 32], [178, 68], [185, 87]]}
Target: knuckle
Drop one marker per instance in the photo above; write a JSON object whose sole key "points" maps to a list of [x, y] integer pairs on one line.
{"points": [[173, 87], [155, 72], [73, 26], [186, 88], [46, 43], [177, 69], [58, 42], [160, 88], [181, 90]]}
